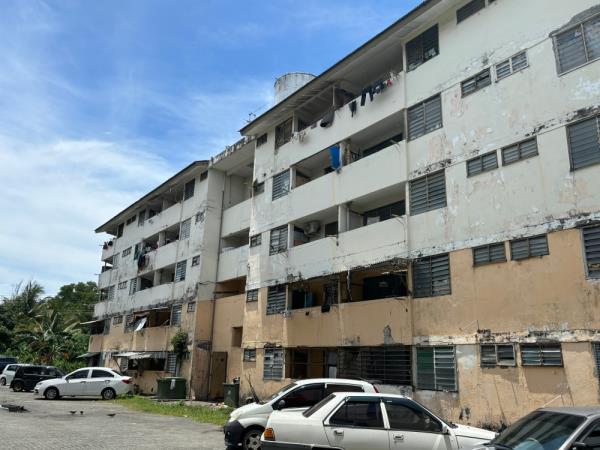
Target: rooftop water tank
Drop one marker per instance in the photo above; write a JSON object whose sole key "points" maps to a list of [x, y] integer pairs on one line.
{"points": [[289, 83]]}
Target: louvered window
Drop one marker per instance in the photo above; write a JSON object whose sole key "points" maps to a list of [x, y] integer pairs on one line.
{"points": [[188, 190], [252, 295], [483, 163], [276, 300], [425, 117], [132, 286], [249, 354], [279, 240], [584, 142], [591, 242], [431, 276], [126, 252], [596, 350], [511, 65], [493, 355], [281, 184], [184, 229], [422, 48], [129, 322], [171, 363], [180, 271], [487, 254], [117, 320], [123, 285], [541, 354], [579, 45], [388, 364], [273, 364], [479, 81], [520, 151], [436, 368], [469, 9], [283, 133], [176, 315], [111, 293], [255, 240], [191, 307], [529, 247], [195, 260], [428, 193]]}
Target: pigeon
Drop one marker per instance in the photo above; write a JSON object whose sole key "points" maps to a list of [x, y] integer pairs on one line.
{"points": [[72, 412], [81, 412], [111, 415]]}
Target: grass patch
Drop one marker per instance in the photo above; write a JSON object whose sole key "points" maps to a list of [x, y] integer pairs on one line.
{"points": [[200, 413]]}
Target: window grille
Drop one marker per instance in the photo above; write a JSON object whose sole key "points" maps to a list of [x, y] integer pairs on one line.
{"points": [[591, 243], [422, 48], [436, 368], [188, 190], [511, 65], [425, 117], [529, 247], [520, 151], [578, 45], [584, 143], [180, 271], [428, 193], [477, 82], [281, 184], [482, 163], [431, 276], [252, 295], [273, 364], [469, 9], [276, 298], [184, 229], [278, 240], [176, 315], [541, 354], [490, 253]]}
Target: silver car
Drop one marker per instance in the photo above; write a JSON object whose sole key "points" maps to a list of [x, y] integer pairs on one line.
{"points": [[566, 428], [9, 373]]}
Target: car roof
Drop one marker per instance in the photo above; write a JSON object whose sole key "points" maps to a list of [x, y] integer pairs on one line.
{"points": [[577, 410], [368, 394], [331, 380]]}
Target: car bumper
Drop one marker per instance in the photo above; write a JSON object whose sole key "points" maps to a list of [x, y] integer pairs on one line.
{"points": [[37, 392], [233, 433]]}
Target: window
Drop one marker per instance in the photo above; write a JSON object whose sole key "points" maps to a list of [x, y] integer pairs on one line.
{"points": [[425, 117], [258, 188], [111, 293], [310, 411], [389, 364], [428, 193], [529, 247], [249, 354], [578, 45], [520, 151], [130, 220], [176, 315], [273, 364], [385, 286], [482, 163], [184, 229], [129, 322], [511, 65], [331, 229], [188, 189], [171, 363], [493, 355], [279, 240], [281, 184], [123, 285], [126, 252], [469, 9], [195, 260], [200, 217], [479, 81], [236, 336], [180, 271], [261, 140], [431, 276], [141, 218], [359, 413], [80, 374], [255, 240], [591, 244], [276, 299], [422, 48], [132, 286], [115, 261], [101, 374], [252, 295], [541, 354], [117, 320], [283, 133], [406, 415], [436, 368], [191, 307], [204, 175], [584, 143], [382, 213], [490, 253], [592, 437], [305, 396], [596, 350], [120, 229], [330, 292]]}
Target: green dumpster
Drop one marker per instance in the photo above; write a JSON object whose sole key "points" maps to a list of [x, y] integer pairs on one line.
{"points": [[170, 388], [231, 394]]}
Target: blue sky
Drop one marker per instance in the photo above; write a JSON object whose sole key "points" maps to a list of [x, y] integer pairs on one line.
{"points": [[102, 101]]}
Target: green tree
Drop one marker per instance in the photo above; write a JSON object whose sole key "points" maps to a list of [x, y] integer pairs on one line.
{"points": [[15, 309]]}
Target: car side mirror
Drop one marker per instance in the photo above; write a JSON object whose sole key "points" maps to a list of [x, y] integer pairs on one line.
{"points": [[446, 430], [579, 445], [279, 405]]}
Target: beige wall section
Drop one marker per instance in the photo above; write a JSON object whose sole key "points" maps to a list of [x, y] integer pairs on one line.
{"points": [[229, 313]]}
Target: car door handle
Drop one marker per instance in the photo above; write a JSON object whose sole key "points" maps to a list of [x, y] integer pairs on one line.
{"points": [[399, 437], [338, 432]]}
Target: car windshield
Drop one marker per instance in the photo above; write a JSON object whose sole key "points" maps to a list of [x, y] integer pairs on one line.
{"points": [[279, 393], [540, 430]]}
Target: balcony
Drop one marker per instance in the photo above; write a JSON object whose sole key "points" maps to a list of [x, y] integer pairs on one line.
{"points": [[162, 220], [233, 263], [104, 279], [151, 339], [161, 257], [147, 297], [108, 250], [236, 218]]}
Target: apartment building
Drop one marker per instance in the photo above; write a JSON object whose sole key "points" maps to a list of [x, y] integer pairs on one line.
{"points": [[426, 213]]}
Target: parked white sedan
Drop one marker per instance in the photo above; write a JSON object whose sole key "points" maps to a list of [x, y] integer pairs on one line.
{"points": [[86, 382], [352, 421]]}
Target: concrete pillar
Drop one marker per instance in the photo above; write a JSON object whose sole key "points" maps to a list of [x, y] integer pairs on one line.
{"points": [[343, 220], [156, 280], [161, 238]]}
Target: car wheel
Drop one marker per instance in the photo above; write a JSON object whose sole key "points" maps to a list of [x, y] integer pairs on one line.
{"points": [[2, 381], [251, 439], [51, 393], [18, 386], [108, 394]]}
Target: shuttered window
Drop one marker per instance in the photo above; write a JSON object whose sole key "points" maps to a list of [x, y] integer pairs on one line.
{"points": [[422, 48], [279, 240], [469, 9], [520, 151], [493, 355], [425, 117], [188, 190], [249, 354], [176, 315], [273, 364], [117, 320], [541, 354], [129, 322], [591, 243], [596, 350], [431, 276], [191, 307], [252, 295], [428, 193], [132, 286], [479, 81], [184, 229], [483, 163], [529, 247], [281, 184], [389, 364], [487, 254], [255, 240], [111, 293], [578, 45], [276, 299], [283, 133], [511, 65], [123, 285], [180, 271], [584, 142], [436, 368], [171, 363]]}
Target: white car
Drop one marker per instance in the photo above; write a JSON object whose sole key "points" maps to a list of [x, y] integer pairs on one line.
{"points": [[352, 421], [246, 424], [9, 373], [86, 382]]}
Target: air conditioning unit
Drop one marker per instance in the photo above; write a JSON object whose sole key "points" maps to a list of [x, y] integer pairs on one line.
{"points": [[312, 227]]}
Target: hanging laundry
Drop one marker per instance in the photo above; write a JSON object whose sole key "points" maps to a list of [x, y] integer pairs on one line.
{"points": [[327, 120], [353, 107], [334, 158]]}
